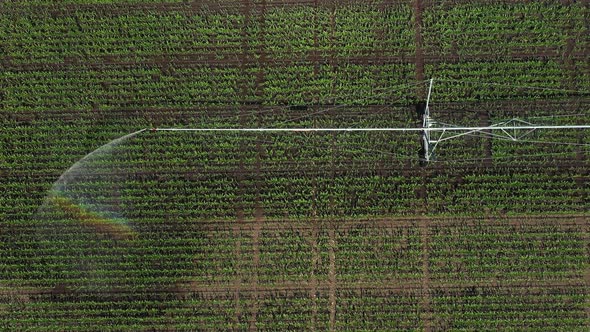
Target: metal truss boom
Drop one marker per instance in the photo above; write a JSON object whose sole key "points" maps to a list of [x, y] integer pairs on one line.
{"points": [[432, 129], [433, 132]]}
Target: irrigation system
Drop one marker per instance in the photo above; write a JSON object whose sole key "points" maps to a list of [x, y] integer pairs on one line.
{"points": [[433, 132]]}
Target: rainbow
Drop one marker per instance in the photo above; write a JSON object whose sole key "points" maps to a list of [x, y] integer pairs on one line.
{"points": [[113, 228]]}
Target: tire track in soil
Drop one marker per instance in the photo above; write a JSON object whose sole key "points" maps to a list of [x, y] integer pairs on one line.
{"points": [[419, 57], [420, 204], [236, 233], [257, 227], [313, 239], [484, 118], [332, 276], [262, 61], [498, 224], [332, 243], [586, 235], [569, 65], [258, 209], [315, 56], [583, 178], [240, 177], [426, 300], [259, 220], [393, 287], [586, 242], [568, 58], [245, 53], [332, 52], [112, 9], [105, 63]]}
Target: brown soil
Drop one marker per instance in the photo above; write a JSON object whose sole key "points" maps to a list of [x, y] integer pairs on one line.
{"points": [[258, 224], [569, 64], [236, 231], [419, 58], [332, 278], [289, 288], [426, 301], [259, 221], [487, 141], [315, 257], [208, 57]]}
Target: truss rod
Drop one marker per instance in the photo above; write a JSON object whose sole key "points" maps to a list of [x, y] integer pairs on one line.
{"points": [[432, 129]]}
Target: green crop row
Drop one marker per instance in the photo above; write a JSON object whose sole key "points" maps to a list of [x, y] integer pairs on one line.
{"points": [[194, 231], [300, 30], [503, 29]]}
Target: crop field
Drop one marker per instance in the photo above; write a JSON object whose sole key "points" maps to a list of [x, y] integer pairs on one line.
{"points": [[108, 227]]}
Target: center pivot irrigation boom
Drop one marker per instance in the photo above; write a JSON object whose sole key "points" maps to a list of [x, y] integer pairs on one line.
{"points": [[514, 129], [433, 132]]}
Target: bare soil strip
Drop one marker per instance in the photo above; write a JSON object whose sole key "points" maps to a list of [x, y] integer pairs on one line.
{"points": [[484, 118], [500, 225], [261, 52], [331, 61], [238, 227], [385, 287], [332, 277], [587, 269], [209, 6], [315, 53], [258, 217], [236, 232], [419, 59], [208, 58], [259, 214], [426, 301], [570, 222], [315, 257], [289, 288]]}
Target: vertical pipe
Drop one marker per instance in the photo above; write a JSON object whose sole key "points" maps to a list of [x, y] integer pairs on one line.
{"points": [[427, 110]]}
